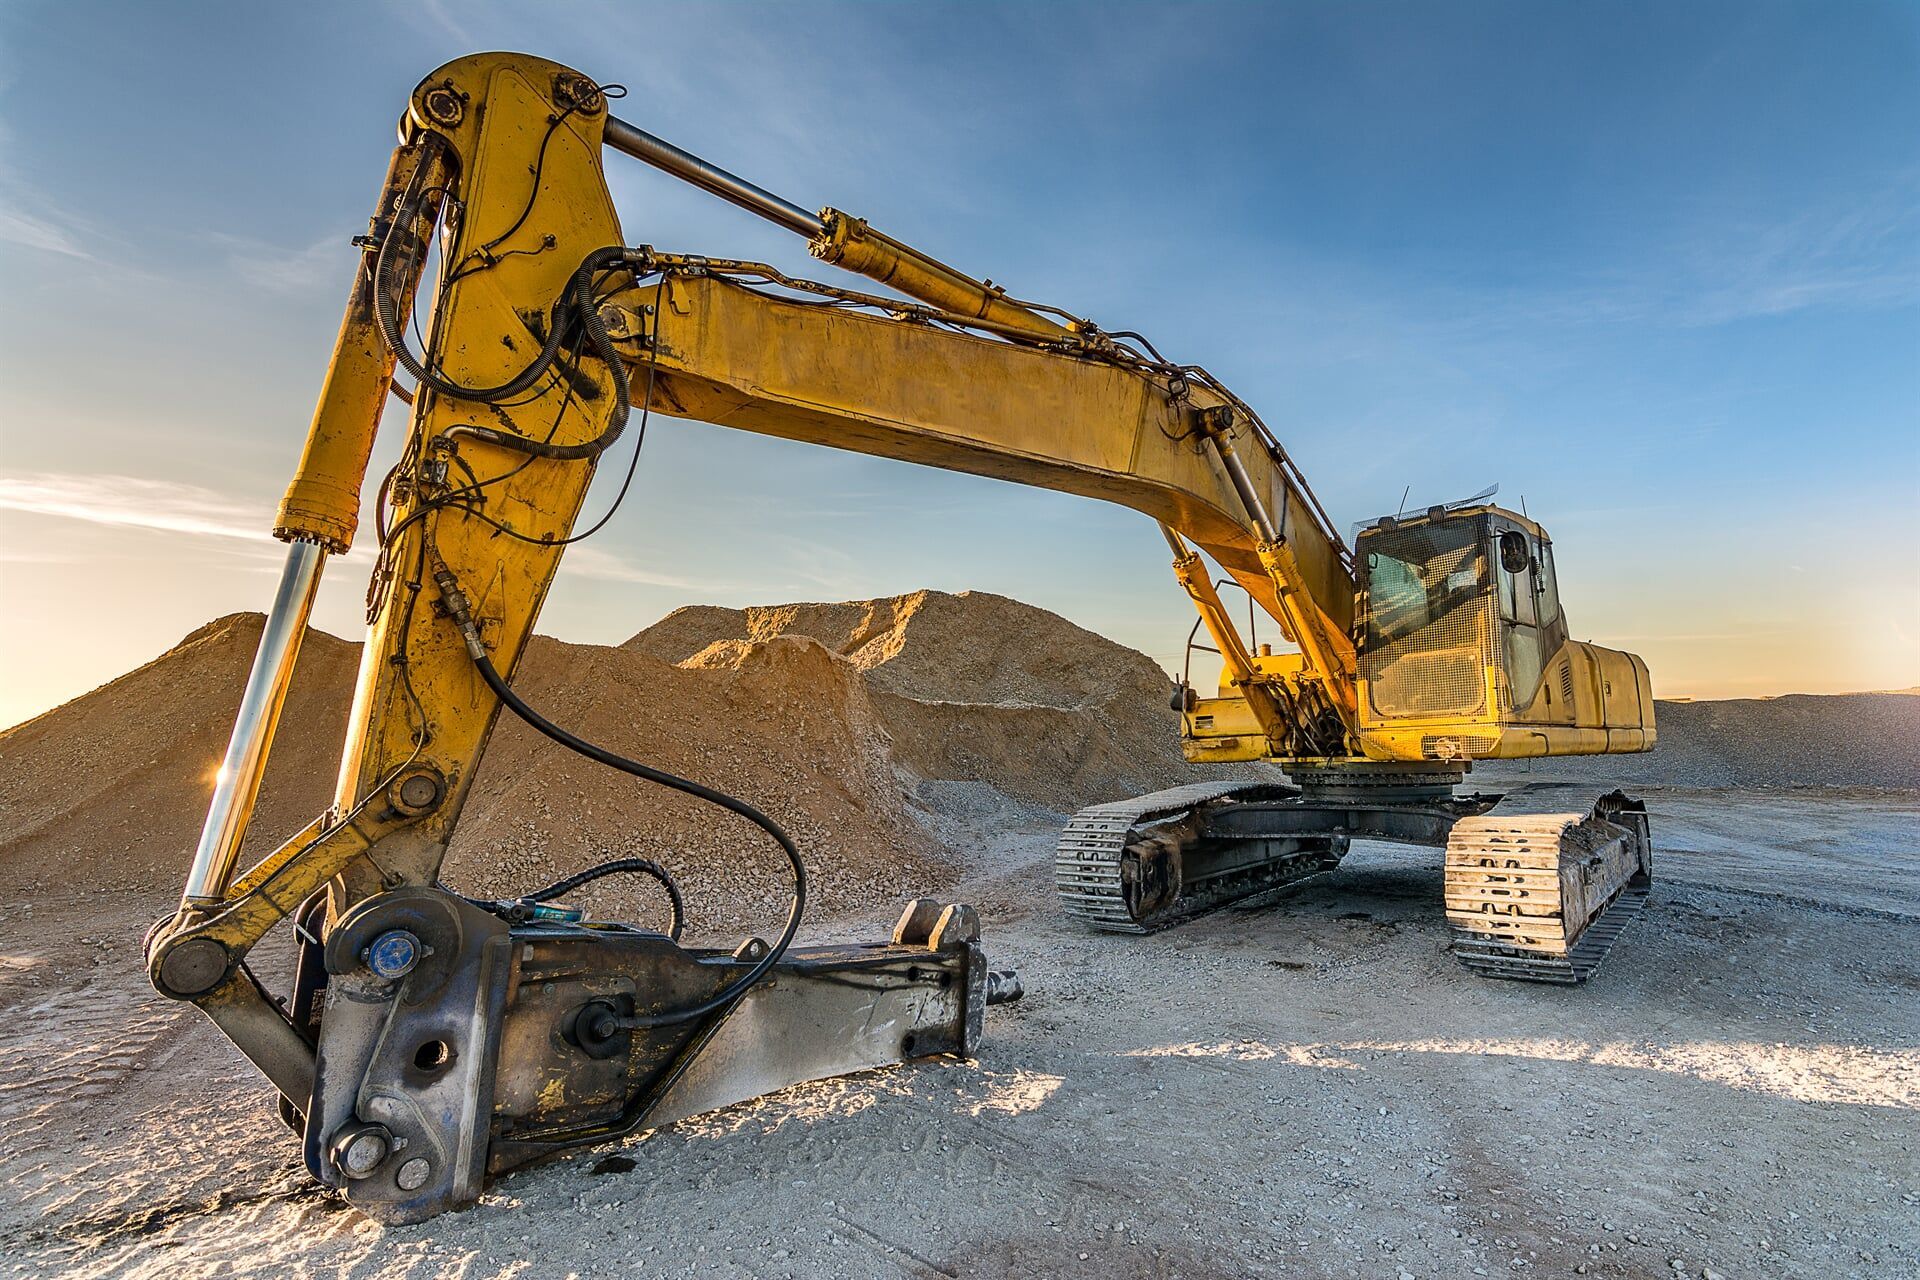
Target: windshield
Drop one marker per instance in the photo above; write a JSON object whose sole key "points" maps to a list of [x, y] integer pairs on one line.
{"points": [[1424, 631], [1417, 576]]}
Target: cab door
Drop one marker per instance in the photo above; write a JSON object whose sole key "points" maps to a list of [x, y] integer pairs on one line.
{"points": [[1570, 686], [1523, 647]]}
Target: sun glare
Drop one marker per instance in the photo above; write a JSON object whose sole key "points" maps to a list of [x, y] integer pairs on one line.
{"points": [[1837, 1073]]}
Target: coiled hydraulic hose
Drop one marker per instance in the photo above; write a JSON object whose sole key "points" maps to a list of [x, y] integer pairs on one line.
{"points": [[576, 303], [607, 1024]]}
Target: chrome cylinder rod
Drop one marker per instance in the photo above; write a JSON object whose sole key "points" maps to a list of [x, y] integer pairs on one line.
{"points": [[238, 782], [1243, 485], [690, 168]]}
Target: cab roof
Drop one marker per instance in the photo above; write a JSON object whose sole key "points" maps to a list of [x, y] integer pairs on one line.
{"points": [[1443, 515]]}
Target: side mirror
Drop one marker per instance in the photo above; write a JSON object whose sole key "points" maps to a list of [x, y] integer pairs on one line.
{"points": [[1513, 551], [1184, 699]]}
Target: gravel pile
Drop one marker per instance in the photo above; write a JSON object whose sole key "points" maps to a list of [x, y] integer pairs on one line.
{"points": [[892, 737], [111, 788], [789, 728], [973, 647], [849, 724], [974, 687], [1800, 740]]}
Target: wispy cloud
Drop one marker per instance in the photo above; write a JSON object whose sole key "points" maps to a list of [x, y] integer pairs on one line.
{"points": [[130, 502], [38, 555], [1697, 637], [1852, 256], [323, 266], [606, 566], [1723, 293], [436, 18], [447, 22], [22, 228], [821, 566], [27, 217], [190, 510]]}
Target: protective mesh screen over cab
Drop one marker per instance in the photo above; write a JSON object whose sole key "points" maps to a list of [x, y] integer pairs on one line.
{"points": [[1429, 627]]}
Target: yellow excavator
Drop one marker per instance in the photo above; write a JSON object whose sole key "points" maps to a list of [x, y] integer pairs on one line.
{"points": [[430, 1039]]}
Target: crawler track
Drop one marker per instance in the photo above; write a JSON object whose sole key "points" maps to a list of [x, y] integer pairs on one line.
{"points": [[1540, 888], [1090, 862]]}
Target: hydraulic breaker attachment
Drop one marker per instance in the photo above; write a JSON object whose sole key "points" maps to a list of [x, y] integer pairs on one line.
{"points": [[454, 1045]]}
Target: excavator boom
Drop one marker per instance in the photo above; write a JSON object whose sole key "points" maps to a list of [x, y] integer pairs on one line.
{"points": [[1112, 420]]}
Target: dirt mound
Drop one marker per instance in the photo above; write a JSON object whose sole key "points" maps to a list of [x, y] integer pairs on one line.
{"points": [[111, 789], [857, 726], [972, 647], [1799, 740], [974, 687], [879, 732], [789, 728]]}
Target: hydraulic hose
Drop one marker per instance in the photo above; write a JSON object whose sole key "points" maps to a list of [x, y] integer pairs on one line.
{"points": [[575, 302], [607, 1024], [579, 292], [386, 304], [677, 907]]}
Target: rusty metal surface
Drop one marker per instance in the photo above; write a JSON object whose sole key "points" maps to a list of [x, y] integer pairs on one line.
{"points": [[486, 1046]]}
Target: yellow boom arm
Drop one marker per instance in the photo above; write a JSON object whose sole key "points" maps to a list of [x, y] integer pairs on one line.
{"points": [[1058, 419]]}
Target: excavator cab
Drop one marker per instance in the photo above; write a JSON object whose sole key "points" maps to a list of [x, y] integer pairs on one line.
{"points": [[1464, 650]]}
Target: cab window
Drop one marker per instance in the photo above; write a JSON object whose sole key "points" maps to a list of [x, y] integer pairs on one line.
{"points": [[1419, 579], [1520, 614], [1549, 587], [1516, 579]]}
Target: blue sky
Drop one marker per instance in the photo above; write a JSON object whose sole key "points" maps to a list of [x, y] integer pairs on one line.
{"points": [[1656, 268]]}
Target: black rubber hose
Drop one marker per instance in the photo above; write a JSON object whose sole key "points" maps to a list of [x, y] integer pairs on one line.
{"points": [[733, 804], [643, 866], [384, 310], [575, 301], [580, 290], [576, 298]]}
